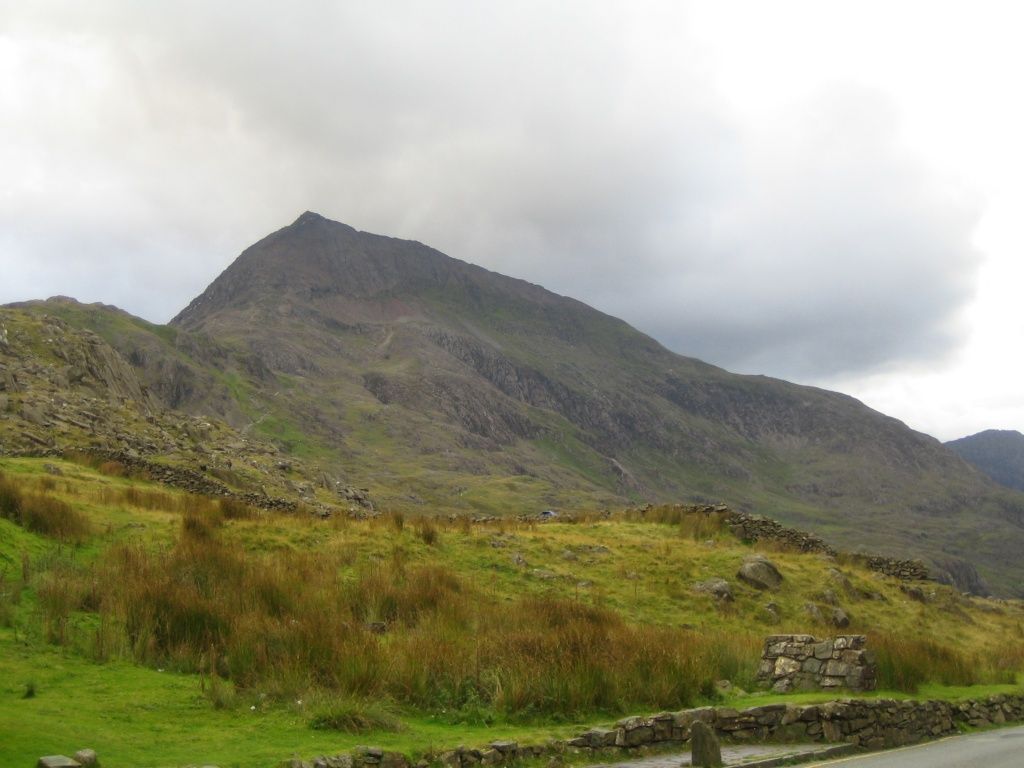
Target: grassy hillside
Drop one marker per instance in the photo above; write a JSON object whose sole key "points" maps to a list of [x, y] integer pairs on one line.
{"points": [[154, 613]]}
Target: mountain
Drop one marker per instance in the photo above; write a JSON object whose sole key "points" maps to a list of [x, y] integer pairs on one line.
{"points": [[999, 453], [443, 386]]}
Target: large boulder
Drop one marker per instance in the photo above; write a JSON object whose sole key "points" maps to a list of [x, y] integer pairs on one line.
{"points": [[839, 618], [57, 761], [720, 588], [760, 572]]}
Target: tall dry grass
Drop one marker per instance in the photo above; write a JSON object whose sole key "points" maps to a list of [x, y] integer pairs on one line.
{"points": [[286, 623], [290, 623], [905, 663], [41, 512], [692, 522], [183, 503]]}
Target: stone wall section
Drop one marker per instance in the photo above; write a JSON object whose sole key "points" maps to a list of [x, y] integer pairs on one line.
{"points": [[866, 723], [803, 662], [753, 528]]}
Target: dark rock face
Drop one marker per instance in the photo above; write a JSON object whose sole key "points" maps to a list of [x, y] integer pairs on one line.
{"points": [[962, 575]]}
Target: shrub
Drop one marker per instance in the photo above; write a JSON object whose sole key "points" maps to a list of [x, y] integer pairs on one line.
{"points": [[10, 499], [112, 469], [354, 716], [200, 525], [427, 532], [234, 509]]}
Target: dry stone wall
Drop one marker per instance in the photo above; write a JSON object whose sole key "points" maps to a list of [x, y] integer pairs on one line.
{"points": [[904, 570], [863, 723], [803, 662], [747, 527], [867, 723]]}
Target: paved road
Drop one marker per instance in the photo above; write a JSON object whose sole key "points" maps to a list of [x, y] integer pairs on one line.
{"points": [[1003, 748], [736, 755]]}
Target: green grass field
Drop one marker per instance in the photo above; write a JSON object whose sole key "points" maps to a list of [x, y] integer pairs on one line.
{"points": [[164, 629]]}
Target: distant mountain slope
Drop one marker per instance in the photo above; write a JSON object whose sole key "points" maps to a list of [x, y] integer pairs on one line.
{"points": [[999, 453], [444, 386]]}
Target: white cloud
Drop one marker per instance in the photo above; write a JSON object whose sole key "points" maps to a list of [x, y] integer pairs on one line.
{"points": [[774, 187]]}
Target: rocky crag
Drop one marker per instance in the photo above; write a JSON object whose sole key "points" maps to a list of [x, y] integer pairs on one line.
{"points": [[65, 391]]}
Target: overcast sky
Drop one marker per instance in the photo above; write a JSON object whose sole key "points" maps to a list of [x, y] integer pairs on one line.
{"points": [[828, 192]]}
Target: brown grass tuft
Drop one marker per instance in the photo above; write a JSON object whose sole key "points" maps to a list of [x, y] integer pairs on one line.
{"points": [[42, 513]]}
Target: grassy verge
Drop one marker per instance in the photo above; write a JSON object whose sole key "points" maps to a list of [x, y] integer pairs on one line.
{"points": [[136, 716]]}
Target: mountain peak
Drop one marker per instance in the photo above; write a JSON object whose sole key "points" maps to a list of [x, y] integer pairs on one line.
{"points": [[312, 217], [308, 217], [328, 268], [322, 266]]}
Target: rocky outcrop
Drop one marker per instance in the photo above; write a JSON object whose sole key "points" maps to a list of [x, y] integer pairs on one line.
{"points": [[802, 662], [65, 392], [719, 588], [609, 424], [962, 575], [479, 412]]}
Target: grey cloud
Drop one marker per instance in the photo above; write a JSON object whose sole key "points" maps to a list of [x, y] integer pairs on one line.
{"points": [[582, 148]]}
